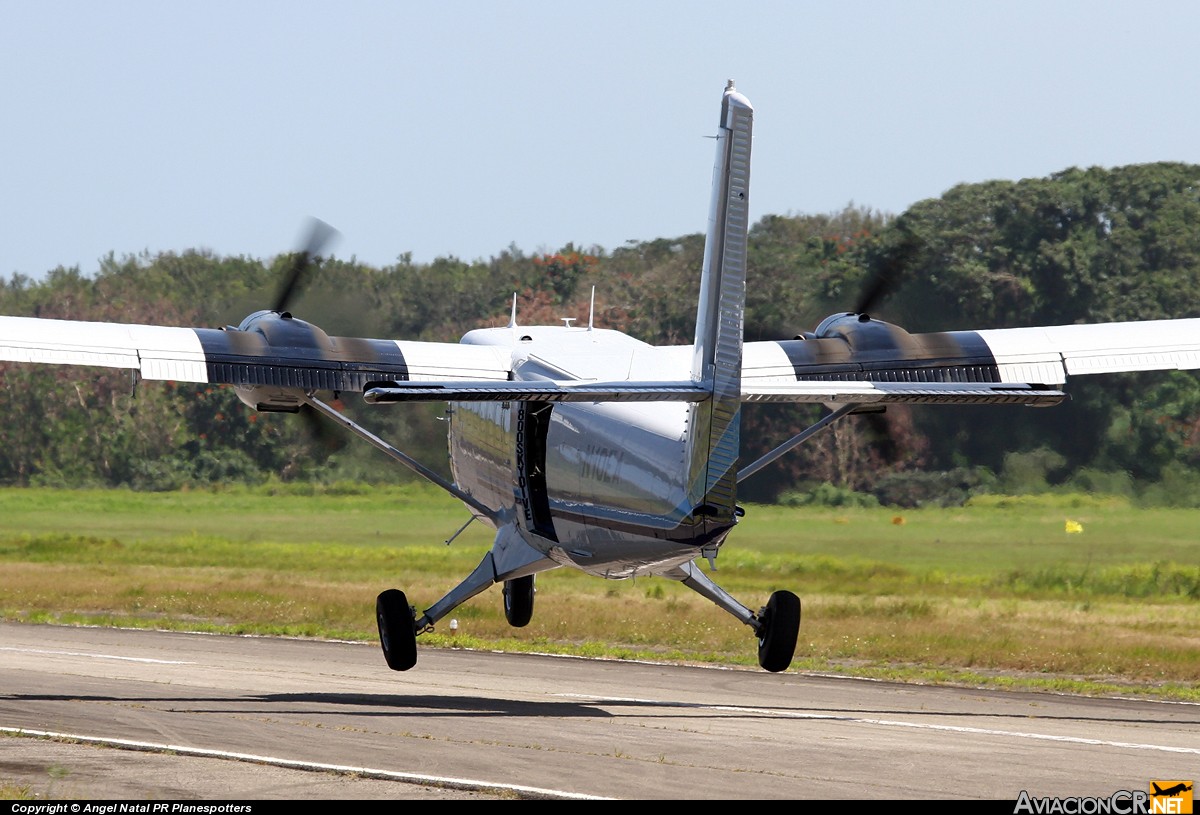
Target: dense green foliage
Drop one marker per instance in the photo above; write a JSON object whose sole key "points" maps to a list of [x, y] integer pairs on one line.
{"points": [[1089, 245]]}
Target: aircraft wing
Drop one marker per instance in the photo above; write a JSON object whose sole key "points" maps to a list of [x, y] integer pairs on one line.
{"points": [[1001, 366], [289, 353]]}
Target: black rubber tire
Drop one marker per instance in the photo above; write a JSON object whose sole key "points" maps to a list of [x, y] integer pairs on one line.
{"points": [[397, 630], [518, 601], [779, 631]]}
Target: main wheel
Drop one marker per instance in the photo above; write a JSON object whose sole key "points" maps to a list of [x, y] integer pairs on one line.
{"points": [[780, 626], [518, 601], [397, 632]]}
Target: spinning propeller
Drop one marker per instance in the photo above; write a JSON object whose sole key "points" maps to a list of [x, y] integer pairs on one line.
{"points": [[889, 270], [319, 235]]}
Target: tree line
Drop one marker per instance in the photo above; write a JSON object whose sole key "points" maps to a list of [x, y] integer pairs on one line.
{"points": [[1083, 245]]}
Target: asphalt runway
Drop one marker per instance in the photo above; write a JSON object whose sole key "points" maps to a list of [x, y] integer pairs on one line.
{"points": [[106, 714]]}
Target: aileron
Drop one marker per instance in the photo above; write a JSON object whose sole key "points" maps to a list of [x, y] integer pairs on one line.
{"points": [[157, 352], [1104, 348], [866, 393]]}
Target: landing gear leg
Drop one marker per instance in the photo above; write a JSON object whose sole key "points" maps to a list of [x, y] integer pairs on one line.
{"points": [[779, 626], [397, 630], [518, 601]]}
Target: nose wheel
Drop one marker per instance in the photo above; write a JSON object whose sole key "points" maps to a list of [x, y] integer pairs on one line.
{"points": [[779, 627], [397, 629]]}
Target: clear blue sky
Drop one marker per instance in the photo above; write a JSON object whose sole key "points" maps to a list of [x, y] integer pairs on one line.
{"points": [[463, 126]]}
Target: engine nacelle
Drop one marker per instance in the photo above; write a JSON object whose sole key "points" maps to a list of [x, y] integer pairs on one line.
{"points": [[277, 336], [281, 330], [860, 332]]}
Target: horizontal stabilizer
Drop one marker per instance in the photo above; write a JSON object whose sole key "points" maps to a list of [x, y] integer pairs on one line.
{"points": [[685, 391]]}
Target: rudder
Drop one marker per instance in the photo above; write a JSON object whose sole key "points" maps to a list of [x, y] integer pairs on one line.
{"points": [[717, 356]]}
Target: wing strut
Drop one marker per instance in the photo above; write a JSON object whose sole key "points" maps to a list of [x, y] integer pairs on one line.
{"points": [[794, 441], [408, 461]]}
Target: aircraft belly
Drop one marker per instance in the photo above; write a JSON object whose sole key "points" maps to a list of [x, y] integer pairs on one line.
{"points": [[616, 554]]}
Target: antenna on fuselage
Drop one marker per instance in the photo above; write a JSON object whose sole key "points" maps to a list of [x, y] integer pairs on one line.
{"points": [[512, 321], [592, 311]]}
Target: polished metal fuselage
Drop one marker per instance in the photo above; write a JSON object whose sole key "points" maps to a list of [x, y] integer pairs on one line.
{"points": [[606, 487]]}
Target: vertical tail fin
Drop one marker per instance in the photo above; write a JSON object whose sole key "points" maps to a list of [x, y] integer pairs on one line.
{"points": [[717, 357]]}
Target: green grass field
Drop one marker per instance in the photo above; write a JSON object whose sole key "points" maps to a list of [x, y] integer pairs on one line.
{"points": [[994, 594]]}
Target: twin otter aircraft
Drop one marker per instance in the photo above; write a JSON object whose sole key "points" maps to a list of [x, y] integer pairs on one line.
{"points": [[586, 448]]}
